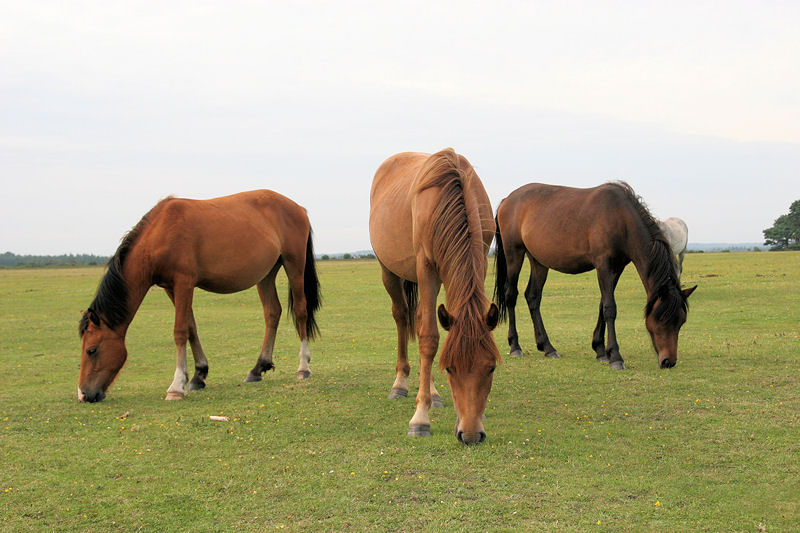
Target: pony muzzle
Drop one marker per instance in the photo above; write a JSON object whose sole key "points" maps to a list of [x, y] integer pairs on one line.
{"points": [[469, 436], [91, 396]]}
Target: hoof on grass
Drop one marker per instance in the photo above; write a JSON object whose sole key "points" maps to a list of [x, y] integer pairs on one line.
{"points": [[303, 374], [436, 402], [603, 359], [252, 378], [174, 396], [516, 353], [553, 355], [398, 393], [196, 385], [617, 365], [420, 430]]}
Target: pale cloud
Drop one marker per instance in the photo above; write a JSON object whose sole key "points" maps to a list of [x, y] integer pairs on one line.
{"points": [[107, 107]]}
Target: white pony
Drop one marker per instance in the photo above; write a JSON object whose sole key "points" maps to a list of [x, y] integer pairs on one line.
{"points": [[677, 235]]}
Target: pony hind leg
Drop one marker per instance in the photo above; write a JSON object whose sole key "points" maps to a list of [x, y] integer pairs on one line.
{"points": [[403, 302], [272, 316], [514, 260], [533, 296], [297, 301]]}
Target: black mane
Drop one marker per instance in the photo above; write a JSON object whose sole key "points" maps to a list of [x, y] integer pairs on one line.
{"points": [[110, 303], [660, 267]]}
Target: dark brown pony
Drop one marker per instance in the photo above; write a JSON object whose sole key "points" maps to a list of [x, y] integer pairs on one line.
{"points": [[431, 224], [222, 245], [573, 231]]}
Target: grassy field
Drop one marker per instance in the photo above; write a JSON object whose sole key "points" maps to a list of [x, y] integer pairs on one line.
{"points": [[712, 444]]}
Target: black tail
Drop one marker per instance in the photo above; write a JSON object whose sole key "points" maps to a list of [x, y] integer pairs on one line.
{"points": [[311, 290], [500, 271], [412, 296]]}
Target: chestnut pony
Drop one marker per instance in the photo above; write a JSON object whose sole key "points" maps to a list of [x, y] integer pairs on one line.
{"points": [[576, 230], [223, 245], [431, 224]]}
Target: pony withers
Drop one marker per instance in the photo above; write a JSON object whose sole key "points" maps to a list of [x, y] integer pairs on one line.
{"points": [[576, 230], [222, 245], [431, 225]]}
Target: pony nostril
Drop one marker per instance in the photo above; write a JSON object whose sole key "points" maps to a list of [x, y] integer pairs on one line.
{"points": [[482, 436], [666, 363], [460, 436]]}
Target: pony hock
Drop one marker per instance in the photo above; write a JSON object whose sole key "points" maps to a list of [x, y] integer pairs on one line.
{"points": [[222, 245], [431, 225], [576, 230]]}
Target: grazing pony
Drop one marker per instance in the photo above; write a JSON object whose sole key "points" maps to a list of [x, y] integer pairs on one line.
{"points": [[576, 230], [430, 224], [223, 245], [677, 234]]}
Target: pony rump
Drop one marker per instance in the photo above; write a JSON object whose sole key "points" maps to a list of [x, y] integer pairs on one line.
{"points": [[458, 252]]}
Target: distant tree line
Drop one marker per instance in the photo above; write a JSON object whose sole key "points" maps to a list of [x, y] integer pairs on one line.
{"points": [[785, 232], [326, 257], [10, 259]]}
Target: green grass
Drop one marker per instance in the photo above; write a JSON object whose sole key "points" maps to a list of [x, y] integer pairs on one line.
{"points": [[713, 444]]}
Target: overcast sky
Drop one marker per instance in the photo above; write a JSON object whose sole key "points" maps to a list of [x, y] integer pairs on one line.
{"points": [[107, 107]]}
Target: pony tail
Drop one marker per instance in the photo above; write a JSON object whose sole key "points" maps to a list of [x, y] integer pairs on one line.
{"points": [[311, 288], [411, 291], [311, 291], [439, 170], [501, 272]]}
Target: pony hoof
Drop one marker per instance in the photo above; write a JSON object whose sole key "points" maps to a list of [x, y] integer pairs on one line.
{"points": [[252, 378], [196, 385], [553, 355], [174, 396], [516, 353], [617, 365], [398, 393], [603, 359], [436, 402], [303, 374], [420, 430]]}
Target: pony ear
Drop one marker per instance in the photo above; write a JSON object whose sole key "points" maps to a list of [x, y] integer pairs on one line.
{"points": [[688, 292], [93, 316], [444, 317], [492, 317]]}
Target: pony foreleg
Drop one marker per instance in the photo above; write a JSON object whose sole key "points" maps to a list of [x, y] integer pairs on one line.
{"points": [[200, 361], [599, 336], [182, 298], [420, 423], [176, 390], [608, 282]]}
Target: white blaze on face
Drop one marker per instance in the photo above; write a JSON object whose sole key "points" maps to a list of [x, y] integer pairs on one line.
{"points": [[81, 396]]}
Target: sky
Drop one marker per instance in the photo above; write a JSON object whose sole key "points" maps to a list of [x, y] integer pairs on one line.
{"points": [[108, 107]]}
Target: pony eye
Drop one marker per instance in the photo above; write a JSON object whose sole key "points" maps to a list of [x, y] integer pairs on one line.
{"points": [[91, 351], [491, 370], [447, 370]]}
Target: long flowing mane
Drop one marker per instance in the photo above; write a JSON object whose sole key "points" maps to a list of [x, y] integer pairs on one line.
{"points": [[458, 253], [111, 300], [660, 266]]}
